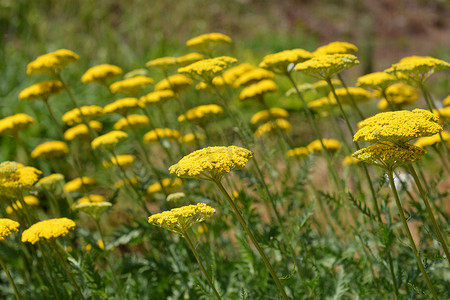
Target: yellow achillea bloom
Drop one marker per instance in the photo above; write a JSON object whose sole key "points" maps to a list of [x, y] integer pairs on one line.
{"points": [[200, 112], [91, 112], [180, 219], [101, 73], [326, 66], [7, 227], [162, 62], [93, 205], [132, 181], [161, 133], [81, 131], [190, 137], [91, 198], [51, 63], [298, 152], [399, 95], [15, 179], [123, 106], [13, 124], [29, 200], [350, 160], [377, 81], [417, 68], [446, 101], [207, 69], [433, 140], [331, 145], [109, 140], [131, 86], [124, 160], [158, 97], [48, 229], [42, 90], [170, 184], [336, 48], [49, 182], [208, 42], [398, 126], [211, 163], [389, 155], [258, 89], [229, 76], [358, 94], [50, 150], [188, 59], [76, 184], [177, 83], [131, 120], [265, 115], [322, 103], [281, 61], [253, 76], [443, 113], [272, 125]]}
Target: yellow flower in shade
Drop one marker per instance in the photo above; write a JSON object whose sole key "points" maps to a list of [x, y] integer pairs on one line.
{"points": [[417, 68], [93, 209], [124, 160], [200, 113], [322, 103], [177, 83], [258, 89], [48, 229], [77, 183], [211, 163], [266, 115], [161, 133], [90, 112], [399, 95], [50, 150], [446, 101], [175, 197], [15, 179], [299, 152], [358, 94], [330, 144], [123, 106], [81, 131], [50, 182], [229, 76], [101, 73], [180, 219], [326, 66], [131, 86], [91, 198], [389, 156], [188, 59], [350, 160], [135, 121], [270, 126], [336, 48], [207, 69], [13, 124], [131, 181], [433, 140], [190, 137], [378, 81], [158, 97], [51, 63], [169, 184], [207, 42], [7, 227], [42, 90], [280, 62], [29, 200], [398, 126], [443, 113], [162, 63], [109, 140], [253, 76]]}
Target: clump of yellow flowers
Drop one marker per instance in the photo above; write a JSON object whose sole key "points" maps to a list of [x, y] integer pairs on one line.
{"points": [[48, 229]]}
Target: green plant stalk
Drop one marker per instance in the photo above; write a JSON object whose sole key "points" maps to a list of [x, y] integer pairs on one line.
{"points": [[10, 278], [50, 272], [430, 212], [192, 247], [391, 106], [354, 105], [408, 232], [52, 116], [252, 237]]}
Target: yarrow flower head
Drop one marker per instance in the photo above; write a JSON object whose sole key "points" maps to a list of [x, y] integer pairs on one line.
{"points": [[326, 66], [162, 63], [270, 126], [331, 145], [81, 131], [123, 106], [336, 48], [180, 219], [433, 140], [252, 76], [93, 205], [77, 183], [90, 112], [52, 63], [109, 140], [188, 59], [158, 97], [13, 124], [16, 179], [161, 133], [397, 127], [266, 115], [42, 90], [101, 73], [211, 163], [131, 86], [48, 230], [124, 160], [50, 150], [207, 42], [133, 121], [398, 95], [299, 152], [200, 113], [281, 62], [258, 89], [378, 81], [50, 182], [169, 184], [206, 69], [358, 94], [29, 200], [176, 83], [7, 227]]}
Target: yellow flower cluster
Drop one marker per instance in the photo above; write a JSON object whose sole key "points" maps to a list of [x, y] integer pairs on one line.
{"points": [[7, 227], [208, 42], [169, 185], [331, 145], [399, 95], [29, 200], [131, 181], [326, 66], [258, 89], [265, 115], [91, 198], [298, 152], [93, 205], [189, 58], [446, 101], [48, 229], [124, 160], [13, 124], [280, 62], [90, 112], [229, 76], [322, 103], [131, 86], [252, 76], [49, 182], [200, 112], [158, 97], [162, 62], [350, 160], [397, 127], [417, 68], [336, 48], [42, 90], [15, 178], [77, 183], [161, 133], [376, 80], [176, 83], [443, 113], [358, 94], [50, 150], [180, 219], [123, 106], [190, 137], [109, 140], [270, 126], [52, 63], [134, 121], [433, 140], [81, 131], [101, 73], [207, 69]]}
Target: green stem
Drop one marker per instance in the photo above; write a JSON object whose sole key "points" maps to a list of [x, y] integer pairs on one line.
{"points": [[355, 107], [10, 278], [52, 281], [52, 115]]}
